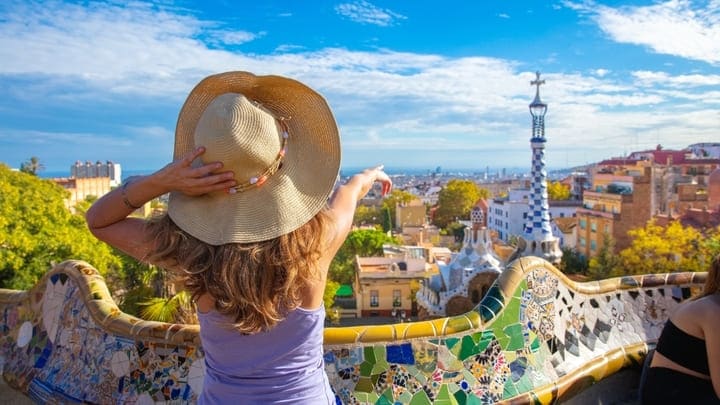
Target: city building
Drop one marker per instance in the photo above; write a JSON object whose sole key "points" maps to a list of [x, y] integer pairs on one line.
{"points": [[385, 286], [616, 204], [83, 187], [461, 283], [411, 214], [98, 169]]}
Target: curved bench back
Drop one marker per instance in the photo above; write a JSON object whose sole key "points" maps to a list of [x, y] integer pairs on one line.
{"points": [[536, 337]]}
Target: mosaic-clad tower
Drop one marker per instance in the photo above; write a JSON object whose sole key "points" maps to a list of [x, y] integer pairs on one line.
{"points": [[539, 240]]}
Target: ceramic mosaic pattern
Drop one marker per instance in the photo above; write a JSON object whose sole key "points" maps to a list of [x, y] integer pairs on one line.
{"points": [[535, 338]]}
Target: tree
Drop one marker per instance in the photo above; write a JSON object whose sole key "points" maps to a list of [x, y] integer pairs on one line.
{"points": [[37, 231], [387, 224], [606, 263], [456, 200], [657, 249], [558, 191], [366, 215], [32, 166], [361, 242], [396, 197], [572, 262]]}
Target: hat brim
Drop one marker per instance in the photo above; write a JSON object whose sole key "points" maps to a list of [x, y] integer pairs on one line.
{"points": [[290, 197]]}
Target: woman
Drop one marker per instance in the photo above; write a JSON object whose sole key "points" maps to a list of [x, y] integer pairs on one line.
{"points": [[250, 230], [685, 367]]}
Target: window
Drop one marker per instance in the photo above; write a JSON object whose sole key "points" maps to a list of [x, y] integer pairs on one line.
{"points": [[582, 241], [593, 226], [397, 300], [607, 228], [593, 245], [374, 298], [583, 224]]}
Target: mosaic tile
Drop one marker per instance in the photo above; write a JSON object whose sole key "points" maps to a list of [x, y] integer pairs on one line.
{"points": [[57, 347]]}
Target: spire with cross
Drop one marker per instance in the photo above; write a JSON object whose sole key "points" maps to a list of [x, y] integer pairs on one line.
{"points": [[539, 238], [537, 82]]}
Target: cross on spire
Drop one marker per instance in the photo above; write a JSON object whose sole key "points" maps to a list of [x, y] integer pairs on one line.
{"points": [[537, 82]]}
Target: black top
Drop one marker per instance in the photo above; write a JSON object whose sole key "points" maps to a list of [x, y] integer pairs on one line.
{"points": [[684, 349]]}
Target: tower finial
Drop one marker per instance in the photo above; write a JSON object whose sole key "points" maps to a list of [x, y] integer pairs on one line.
{"points": [[537, 82]]}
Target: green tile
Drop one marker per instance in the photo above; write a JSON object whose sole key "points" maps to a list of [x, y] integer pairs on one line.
{"points": [[487, 337], [383, 401], [517, 339], [379, 368], [513, 307], [420, 398], [364, 384], [387, 396], [472, 399], [460, 397], [535, 344], [524, 384], [373, 397], [366, 368], [444, 397], [405, 397], [369, 354], [380, 354], [451, 342], [500, 335], [509, 390], [467, 348]]}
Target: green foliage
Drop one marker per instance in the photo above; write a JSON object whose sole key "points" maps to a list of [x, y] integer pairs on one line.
{"points": [[456, 200], [657, 249], [32, 166], [558, 191], [387, 224], [81, 207], [457, 230], [176, 309], [606, 263], [360, 242], [573, 262], [367, 215], [331, 288], [37, 230], [396, 197]]}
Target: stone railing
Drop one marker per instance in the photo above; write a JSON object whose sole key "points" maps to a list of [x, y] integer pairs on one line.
{"points": [[536, 337]]}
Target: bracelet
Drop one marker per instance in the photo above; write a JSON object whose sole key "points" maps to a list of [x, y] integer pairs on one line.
{"points": [[124, 196]]}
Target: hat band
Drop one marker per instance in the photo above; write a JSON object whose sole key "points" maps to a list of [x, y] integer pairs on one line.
{"points": [[261, 178]]}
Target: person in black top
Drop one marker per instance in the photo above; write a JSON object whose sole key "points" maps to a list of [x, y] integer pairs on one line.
{"points": [[686, 365]]}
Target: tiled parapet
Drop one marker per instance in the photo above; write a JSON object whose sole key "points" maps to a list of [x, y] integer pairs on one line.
{"points": [[535, 338]]}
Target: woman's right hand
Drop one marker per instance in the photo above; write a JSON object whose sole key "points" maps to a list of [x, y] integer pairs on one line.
{"points": [[181, 176]]}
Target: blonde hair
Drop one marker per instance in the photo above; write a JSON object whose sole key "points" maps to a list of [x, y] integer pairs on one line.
{"points": [[255, 284], [712, 283]]}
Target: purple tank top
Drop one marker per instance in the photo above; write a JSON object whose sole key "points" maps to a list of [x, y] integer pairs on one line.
{"points": [[282, 366]]}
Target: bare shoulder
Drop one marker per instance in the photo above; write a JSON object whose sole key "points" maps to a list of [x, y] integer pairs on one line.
{"points": [[693, 314]]}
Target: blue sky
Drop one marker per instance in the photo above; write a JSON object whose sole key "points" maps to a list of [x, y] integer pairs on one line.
{"points": [[412, 83]]}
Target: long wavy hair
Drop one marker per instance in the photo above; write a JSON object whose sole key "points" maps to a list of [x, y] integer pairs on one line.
{"points": [[712, 283], [255, 284]]}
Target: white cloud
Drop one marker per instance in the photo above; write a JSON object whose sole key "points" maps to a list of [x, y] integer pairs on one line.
{"points": [[234, 37], [677, 27], [367, 13]]}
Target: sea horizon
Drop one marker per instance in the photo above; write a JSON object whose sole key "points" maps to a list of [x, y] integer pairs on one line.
{"points": [[344, 171]]}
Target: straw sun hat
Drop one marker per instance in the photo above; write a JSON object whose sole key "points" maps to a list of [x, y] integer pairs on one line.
{"points": [[280, 140]]}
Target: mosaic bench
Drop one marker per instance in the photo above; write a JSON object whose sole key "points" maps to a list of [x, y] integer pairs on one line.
{"points": [[536, 337]]}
